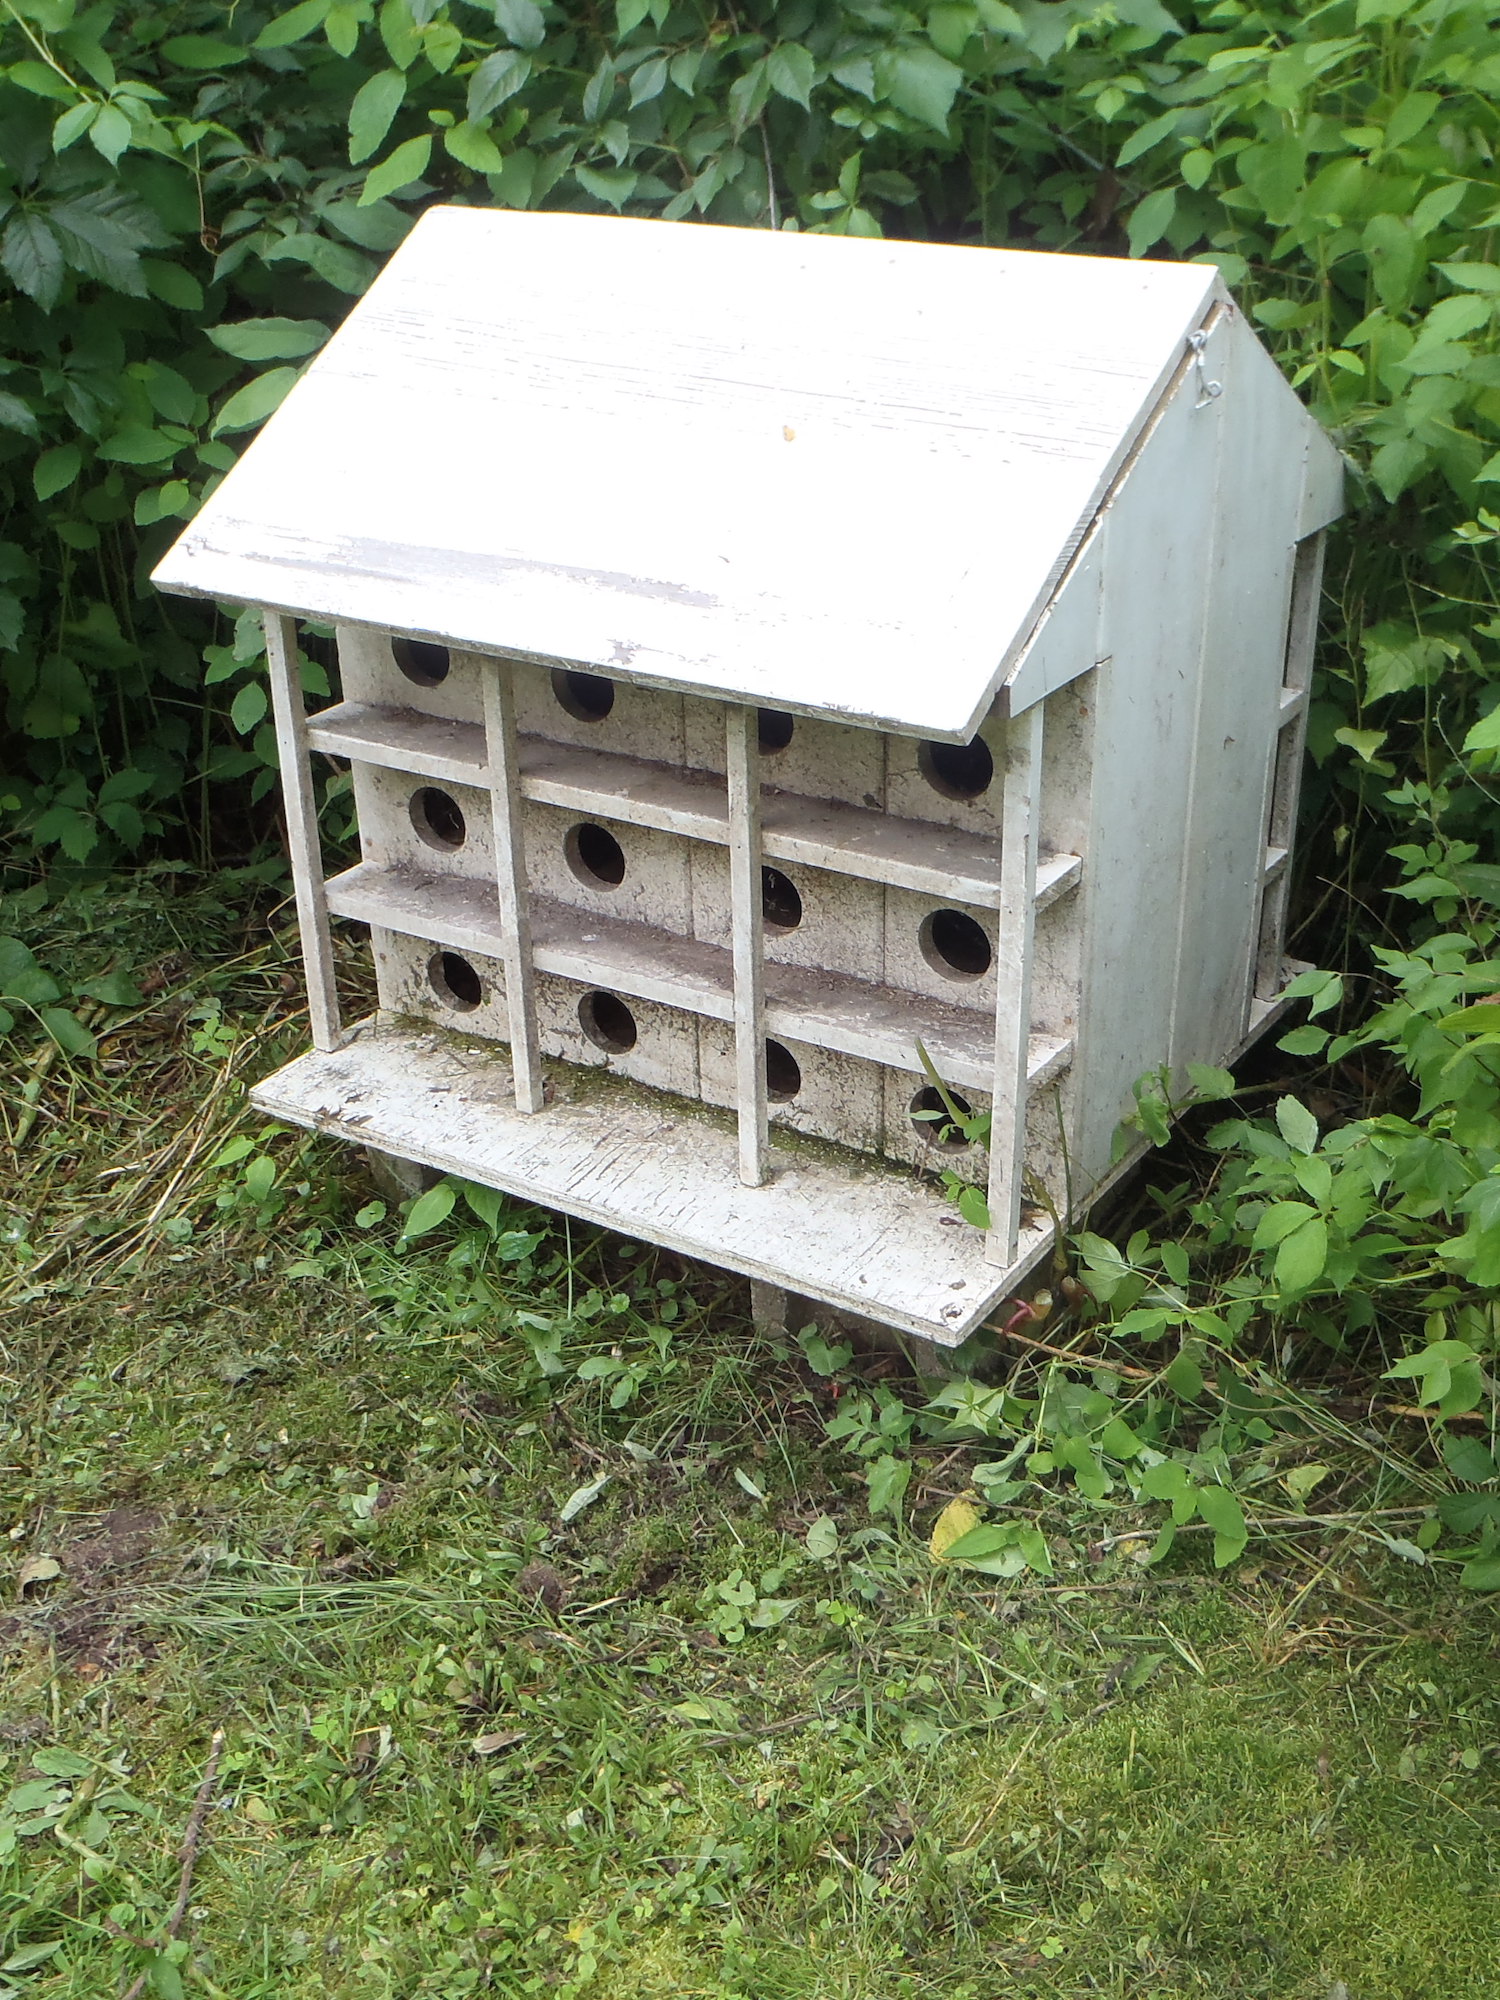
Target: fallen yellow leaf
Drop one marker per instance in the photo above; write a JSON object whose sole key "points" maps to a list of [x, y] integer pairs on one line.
{"points": [[956, 1520]]}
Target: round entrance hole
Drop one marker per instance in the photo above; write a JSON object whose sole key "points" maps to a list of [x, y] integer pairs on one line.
{"points": [[780, 905], [586, 697], [607, 1022], [783, 1073], [454, 981], [955, 945], [437, 818], [957, 770], [934, 1120], [423, 661], [776, 728], [595, 856]]}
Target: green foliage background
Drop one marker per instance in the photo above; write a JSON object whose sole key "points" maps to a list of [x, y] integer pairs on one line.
{"points": [[193, 194]]}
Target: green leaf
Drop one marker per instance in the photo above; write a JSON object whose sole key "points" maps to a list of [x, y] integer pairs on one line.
{"points": [[472, 147], [32, 258], [581, 1496], [164, 1978], [1184, 1378], [375, 105], [923, 84], [335, 263], [73, 124], [16, 415], [57, 469], [428, 1210], [1150, 220], [138, 444], [248, 709], [56, 1762], [172, 285], [1278, 1222], [1303, 1256], [1482, 1573], [69, 1033], [521, 22], [398, 170], [497, 78], [30, 1956], [269, 339], [1485, 733], [113, 989], [887, 1479], [251, 405], [203, 52], [1308, 1041], [973, 1207], [1211, 1086], [41, 81], [1297, 1125], [790, 71], [341, 25], [293, 26], [1150, 134], [648, 81], [1223, 1513], [1472, 277], [21, 978], [1397, 658], [612, 185], [109, 132], [1469, 1460]]}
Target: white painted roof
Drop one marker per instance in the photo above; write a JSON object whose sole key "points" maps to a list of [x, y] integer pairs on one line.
{"points": [[826, 474]]}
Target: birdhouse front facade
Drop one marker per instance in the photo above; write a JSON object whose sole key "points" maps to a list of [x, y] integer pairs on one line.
{"points": [[796, 689]]}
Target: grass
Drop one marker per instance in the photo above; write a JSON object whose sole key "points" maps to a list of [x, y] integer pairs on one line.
{"points": [[717, 1732]]}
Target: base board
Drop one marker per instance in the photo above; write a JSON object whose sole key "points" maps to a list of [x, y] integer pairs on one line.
{"points": [[852, 1232]]}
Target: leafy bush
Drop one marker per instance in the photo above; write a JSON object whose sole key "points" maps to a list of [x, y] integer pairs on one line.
{"points": [[190, 199]]}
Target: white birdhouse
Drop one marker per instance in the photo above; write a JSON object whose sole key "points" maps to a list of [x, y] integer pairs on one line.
{"points": [[764, 658]]}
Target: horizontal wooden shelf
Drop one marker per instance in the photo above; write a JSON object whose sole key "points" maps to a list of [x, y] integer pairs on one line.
{"points": [[853, 1232], [828, 1010], [874, 846]]}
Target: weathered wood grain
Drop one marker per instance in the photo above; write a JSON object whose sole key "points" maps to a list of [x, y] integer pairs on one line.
{"points": [[850, 1232], [301, 812], [986, 395]]}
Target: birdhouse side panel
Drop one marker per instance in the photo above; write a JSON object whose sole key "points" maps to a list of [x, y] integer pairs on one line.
{"points": [[1157, 545], [1256, 515]]}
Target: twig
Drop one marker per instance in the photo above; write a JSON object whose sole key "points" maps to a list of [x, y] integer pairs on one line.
{"points": [[1080, 1360], [1278, 1523], [188, 1852]]}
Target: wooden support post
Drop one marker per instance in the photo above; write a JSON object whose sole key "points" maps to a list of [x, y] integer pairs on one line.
{"points": [[510, 881], [742, 756], [302, 830], [1020, 815]]}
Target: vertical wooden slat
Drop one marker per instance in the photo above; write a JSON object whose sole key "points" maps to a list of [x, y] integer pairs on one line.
{"points": [[742, 758], [1020, 814], [510, 881], [1286, 771], [302, 830]]}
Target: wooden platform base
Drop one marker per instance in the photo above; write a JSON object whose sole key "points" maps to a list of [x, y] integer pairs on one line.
{"points": [[856, 1234]]}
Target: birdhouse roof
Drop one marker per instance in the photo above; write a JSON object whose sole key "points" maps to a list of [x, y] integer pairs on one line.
{"points": [[825, 474]]}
